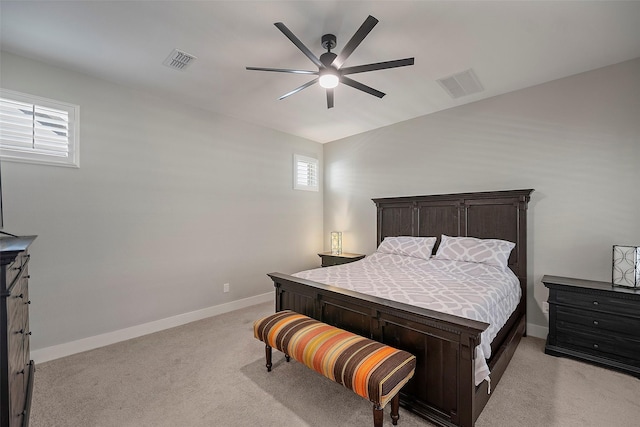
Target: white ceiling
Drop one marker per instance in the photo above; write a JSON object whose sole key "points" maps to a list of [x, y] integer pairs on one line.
{"points": [[509, 44]]}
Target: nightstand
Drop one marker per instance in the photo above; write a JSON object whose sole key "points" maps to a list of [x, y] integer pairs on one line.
{"points": [[344, 258], [595, 322]]}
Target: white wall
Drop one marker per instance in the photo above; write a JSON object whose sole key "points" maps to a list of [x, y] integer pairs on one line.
{"points": [[576, 141], [169, 203]]}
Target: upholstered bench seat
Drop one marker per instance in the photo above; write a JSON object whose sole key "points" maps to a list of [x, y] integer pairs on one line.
{"points": [[371, 369]]}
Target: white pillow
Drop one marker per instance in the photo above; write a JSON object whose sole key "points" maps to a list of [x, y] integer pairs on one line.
{"points": [[486, 251], [417, 247]]}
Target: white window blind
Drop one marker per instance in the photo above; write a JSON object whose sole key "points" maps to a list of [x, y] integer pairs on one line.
{"points": [[305, 173], [38, 130]]}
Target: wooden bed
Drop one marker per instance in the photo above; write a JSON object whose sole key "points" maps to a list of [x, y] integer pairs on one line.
{"points": [[443, 389]]}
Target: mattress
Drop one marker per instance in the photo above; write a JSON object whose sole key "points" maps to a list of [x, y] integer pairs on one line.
{"points": [[471, 290]]}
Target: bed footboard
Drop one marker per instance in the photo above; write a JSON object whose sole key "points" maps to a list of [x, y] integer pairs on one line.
{"points": [[443, 389]]}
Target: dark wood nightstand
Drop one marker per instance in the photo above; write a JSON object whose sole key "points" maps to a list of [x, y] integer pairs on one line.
{"points": [[595, 322], [344, 258]]}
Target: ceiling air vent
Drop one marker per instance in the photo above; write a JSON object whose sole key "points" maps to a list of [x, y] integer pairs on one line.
{"points": [[179, 60], [461, 84]]}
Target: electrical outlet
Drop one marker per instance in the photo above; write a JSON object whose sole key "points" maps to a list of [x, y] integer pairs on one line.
{"points": [[225, 287], [545, 307]]}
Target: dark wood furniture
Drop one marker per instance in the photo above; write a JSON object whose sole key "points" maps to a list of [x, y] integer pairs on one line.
{"points": [[594, 322], [328, 259], [16, 368], [443, 389]]}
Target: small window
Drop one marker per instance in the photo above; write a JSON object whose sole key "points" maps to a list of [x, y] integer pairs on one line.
{"points": [[305, 173], [38, 130]]}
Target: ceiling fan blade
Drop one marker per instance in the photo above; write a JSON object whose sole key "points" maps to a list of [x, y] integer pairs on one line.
{"points": [[298, 43], [357, 85], [357, 38], [281, 70], [377, 66], [330, 98], [299, 88]]}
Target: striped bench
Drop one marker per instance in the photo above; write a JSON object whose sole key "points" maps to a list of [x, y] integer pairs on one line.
{"points": [[371, 369]]}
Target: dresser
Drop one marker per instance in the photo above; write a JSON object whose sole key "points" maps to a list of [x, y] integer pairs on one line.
{"points": [[595, 322], [16, 366]]}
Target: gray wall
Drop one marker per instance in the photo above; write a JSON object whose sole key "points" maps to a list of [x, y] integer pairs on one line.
{"points": [[158, 216], [169, 203], [576, 141]]}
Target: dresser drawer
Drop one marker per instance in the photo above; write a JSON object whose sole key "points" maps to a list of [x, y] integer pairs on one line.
{"points": [[611, 346], [17, 397], [18, 268], [18, 372], [13, 269], [17, 303], [597, 321], [597, 302], [16, 341]]}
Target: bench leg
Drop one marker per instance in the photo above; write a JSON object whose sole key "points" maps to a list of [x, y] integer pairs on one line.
{"points": [[395, 409], [267, 352], [378, 416]]}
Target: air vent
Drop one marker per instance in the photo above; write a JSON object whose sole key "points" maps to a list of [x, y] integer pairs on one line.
{"points": [[179, 60], [461, 84]]}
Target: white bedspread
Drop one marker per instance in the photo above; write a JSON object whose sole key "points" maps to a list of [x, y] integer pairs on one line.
{"points": [[471, 290]]}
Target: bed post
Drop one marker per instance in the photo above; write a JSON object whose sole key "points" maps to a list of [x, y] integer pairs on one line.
{"points": [[522, 251]]}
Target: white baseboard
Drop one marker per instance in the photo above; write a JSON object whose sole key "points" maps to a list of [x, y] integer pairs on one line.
{"points": [[537, 331], [85, 344], [61, 350]]}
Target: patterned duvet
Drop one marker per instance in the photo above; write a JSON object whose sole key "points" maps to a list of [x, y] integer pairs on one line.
{"points": [[471, 290]]}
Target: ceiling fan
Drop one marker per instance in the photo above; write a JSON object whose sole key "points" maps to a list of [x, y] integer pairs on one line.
{"points": [[330, 71]]}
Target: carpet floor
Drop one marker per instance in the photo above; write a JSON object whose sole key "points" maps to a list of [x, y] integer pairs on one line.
{"points": [[211, 373]]}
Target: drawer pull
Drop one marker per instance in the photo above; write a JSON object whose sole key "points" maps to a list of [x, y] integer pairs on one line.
{"points": [[28, 302], [20, 296], [595, 303], [596, 346], [595, 322], [21, 372]]}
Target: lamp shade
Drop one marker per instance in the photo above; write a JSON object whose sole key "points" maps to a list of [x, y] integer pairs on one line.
{"points": [[626, 266], [336, 243]]}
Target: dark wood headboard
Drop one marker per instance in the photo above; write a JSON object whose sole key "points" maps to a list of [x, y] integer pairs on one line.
{"points": [[486, 215]]}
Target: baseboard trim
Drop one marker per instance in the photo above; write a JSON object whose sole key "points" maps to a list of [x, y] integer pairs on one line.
{"points": [[61, 350], [67, 349], [537, 331]]}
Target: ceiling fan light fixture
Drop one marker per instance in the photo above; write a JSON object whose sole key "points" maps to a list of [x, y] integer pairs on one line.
{"points": [[329, 78], [330, 66]]}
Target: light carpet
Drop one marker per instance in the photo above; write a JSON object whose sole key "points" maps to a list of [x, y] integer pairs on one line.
{"points": [[211, 373]]}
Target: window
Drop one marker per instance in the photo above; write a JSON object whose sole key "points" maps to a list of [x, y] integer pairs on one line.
{"points": [[38, 130], [305, 173]]}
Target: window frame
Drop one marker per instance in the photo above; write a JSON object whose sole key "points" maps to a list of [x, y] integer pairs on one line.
{"points": [[298, 158], [35, 157]]}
